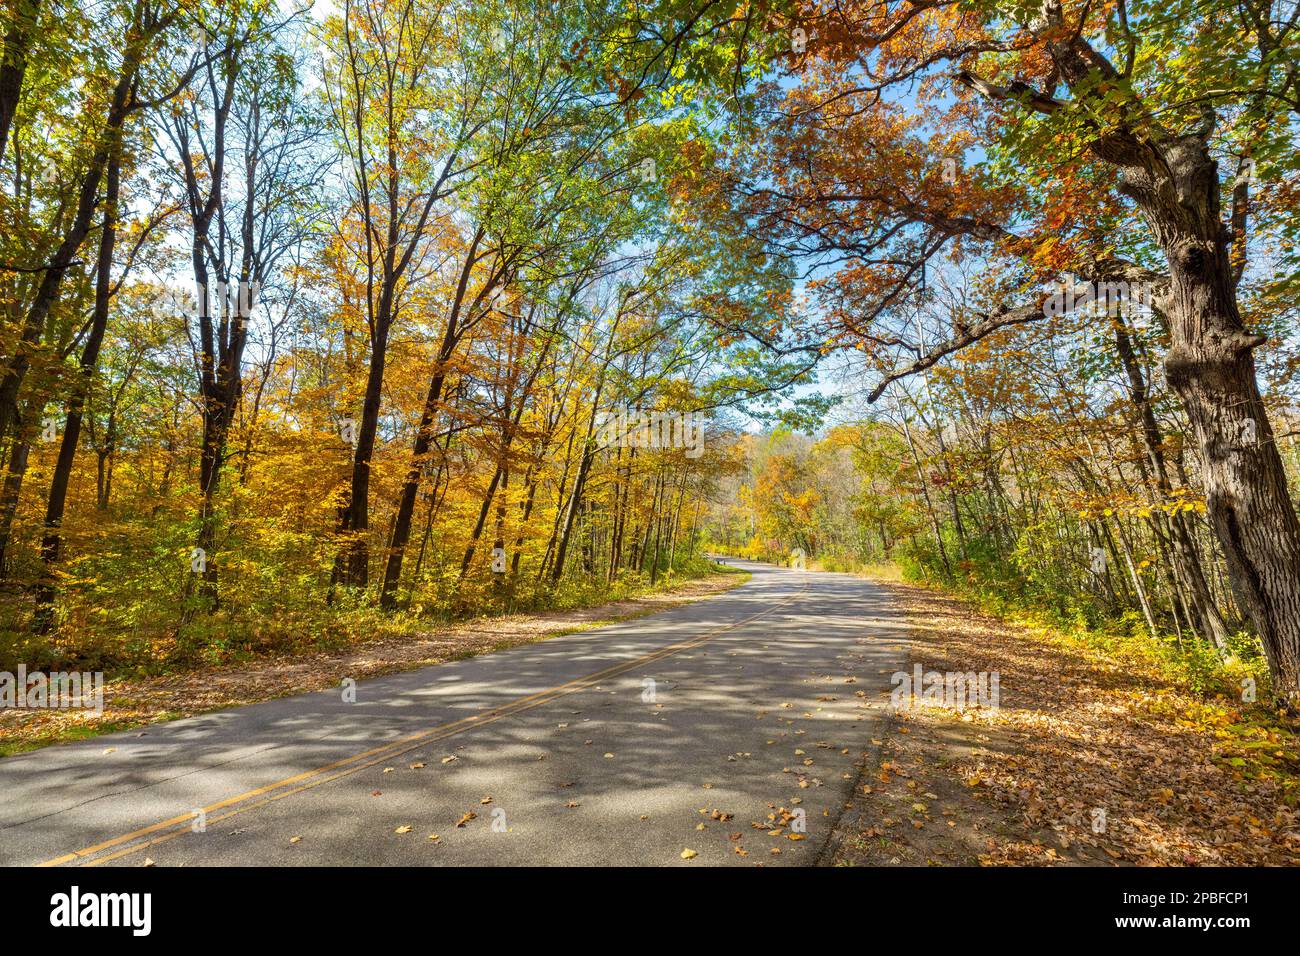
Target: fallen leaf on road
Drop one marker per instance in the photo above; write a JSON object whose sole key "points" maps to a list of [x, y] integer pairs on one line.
{"points": [[689, 854], [402, 829], [466, 818]]}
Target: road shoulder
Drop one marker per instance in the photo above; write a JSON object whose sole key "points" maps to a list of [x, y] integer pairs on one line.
{"points": [[1089, 760]]}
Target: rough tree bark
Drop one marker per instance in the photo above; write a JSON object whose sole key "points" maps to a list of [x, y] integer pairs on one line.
{"points": [[1173, 179]]}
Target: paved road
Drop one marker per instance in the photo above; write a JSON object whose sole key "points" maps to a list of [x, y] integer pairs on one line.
{"points": [[764, 697]]}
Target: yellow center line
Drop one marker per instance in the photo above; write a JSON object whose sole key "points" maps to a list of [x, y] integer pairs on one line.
{"points": [[176, 826]]}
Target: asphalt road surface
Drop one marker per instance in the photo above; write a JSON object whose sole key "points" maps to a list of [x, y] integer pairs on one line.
{"points": [[609, 746]]}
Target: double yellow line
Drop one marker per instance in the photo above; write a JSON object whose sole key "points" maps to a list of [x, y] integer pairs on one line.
{"points": [[170, 829]]}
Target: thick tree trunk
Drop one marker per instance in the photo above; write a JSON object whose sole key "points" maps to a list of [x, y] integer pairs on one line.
{"points": [[1174, 180], [1212, 369], [1211, 366]]}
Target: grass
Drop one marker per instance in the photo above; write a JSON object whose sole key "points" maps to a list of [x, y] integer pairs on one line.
{"points": [[78, 732]]}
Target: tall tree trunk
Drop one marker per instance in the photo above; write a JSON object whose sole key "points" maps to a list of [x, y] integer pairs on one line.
{"points": [[13, 67], [1211, 365], [488, 497], [354, 522], [47, 292], [1206, 619], [571, 512], [552, 541], [925, 493], [52, 542], [10, 495], [424, 432], [1173, 179]]}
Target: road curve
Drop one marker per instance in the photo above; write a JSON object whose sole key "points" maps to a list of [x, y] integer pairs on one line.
{"points": [[610, 746]]}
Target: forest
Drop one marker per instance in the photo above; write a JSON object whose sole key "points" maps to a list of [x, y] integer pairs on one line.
{"points": [[326, 320]]}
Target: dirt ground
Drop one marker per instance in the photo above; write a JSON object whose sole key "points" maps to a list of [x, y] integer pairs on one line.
{"points": [[1088, 761], [130, 702]]}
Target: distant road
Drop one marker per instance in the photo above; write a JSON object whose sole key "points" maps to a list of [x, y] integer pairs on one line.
{"points": [[601, 747]]}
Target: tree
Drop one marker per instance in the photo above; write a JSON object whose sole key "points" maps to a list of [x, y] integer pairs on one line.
{"points": [[858, 174]]}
